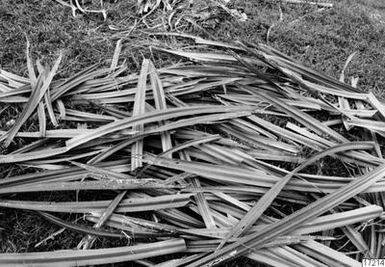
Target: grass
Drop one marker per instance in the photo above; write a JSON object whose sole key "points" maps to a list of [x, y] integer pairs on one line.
{"points": [[322, 40]]}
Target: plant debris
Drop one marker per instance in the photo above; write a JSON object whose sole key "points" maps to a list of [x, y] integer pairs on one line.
{"points": [[201, 157]]}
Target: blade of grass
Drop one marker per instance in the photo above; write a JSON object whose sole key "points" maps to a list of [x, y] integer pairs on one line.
{"points": [[350, 57], [95, 256], [115, 58], [116, 184], [51, 113], [139, 109], [149, 117], [127, 205], [160, 103], [42, 119]]}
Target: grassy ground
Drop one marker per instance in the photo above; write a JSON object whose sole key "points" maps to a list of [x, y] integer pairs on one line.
{"points": [[322, 39]]}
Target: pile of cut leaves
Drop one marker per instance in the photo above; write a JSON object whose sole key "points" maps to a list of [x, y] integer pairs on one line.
{"points": [[236, 151]]}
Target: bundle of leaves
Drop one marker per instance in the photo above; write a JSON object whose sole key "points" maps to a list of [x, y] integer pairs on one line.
{"points": [[230, 153]]}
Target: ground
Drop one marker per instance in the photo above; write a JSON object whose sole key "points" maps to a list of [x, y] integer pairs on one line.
{"points": [[319, 38]]}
